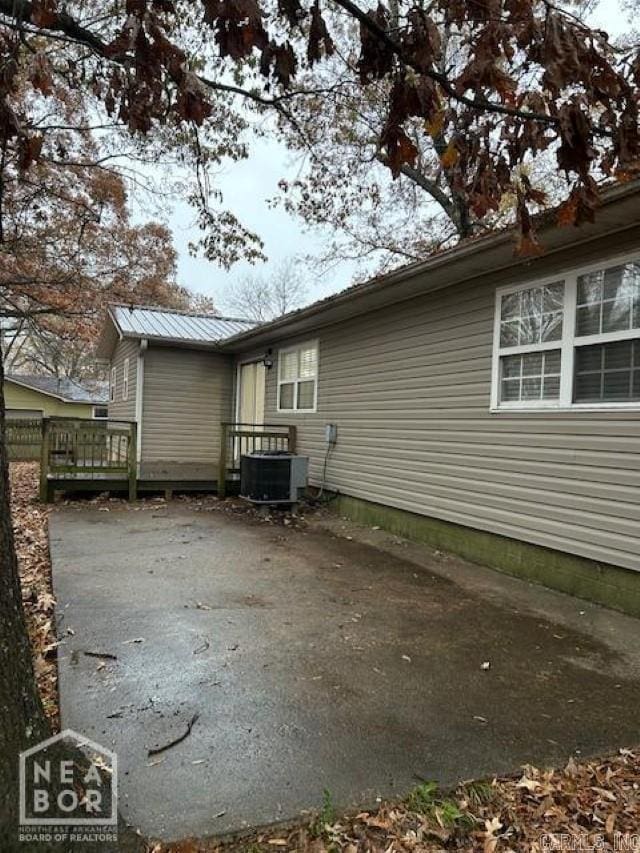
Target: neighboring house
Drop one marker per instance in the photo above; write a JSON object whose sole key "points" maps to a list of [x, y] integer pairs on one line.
{"points": [[485, 403], [44, 396]]}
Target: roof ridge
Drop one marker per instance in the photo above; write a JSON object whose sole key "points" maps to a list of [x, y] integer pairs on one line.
{"points": [[58, 387], [133, 306]]}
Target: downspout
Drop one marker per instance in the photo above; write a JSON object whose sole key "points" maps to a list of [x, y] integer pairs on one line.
{"points": [[144, 343]]}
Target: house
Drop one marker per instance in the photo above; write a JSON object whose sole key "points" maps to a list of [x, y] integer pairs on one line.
{"points": [[484, 403], [167, 373], [27, 396]]}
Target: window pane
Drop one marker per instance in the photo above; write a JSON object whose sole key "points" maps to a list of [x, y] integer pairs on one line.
{"points": [[552, 327], [511, 365], [553, 297], [589, 358], [617, 385], [590, 288], [532, 364], [510, 306], [286, 396], [510, 390], [551, 388], [616, 316], [617, 355], [551, 375], [552, 361], [305, 394], [308, 362], [588, 387], [588, 320], [289, 364], [531, 302], [619, 282], [530, 327], [531, 389], [509, 333]]}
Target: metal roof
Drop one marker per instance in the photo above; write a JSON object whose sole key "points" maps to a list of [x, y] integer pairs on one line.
{"points": [[64, 389], [139, 322]]}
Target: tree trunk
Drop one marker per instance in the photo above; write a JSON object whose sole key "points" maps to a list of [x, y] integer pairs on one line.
{"points": [[22, 719]]}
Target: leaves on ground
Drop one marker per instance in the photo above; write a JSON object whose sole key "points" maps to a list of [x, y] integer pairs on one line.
{"points": [[34, 566], [590, 805]]}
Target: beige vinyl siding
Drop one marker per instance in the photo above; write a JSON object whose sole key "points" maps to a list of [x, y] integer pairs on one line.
{"points": [[187, 394], [409, 388], [119, 408]]}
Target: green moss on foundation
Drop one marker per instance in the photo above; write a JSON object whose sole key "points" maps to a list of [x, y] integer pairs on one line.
{"points": [[601, 583]]}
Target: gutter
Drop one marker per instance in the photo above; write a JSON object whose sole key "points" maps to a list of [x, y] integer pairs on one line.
{"points": [[411, 271]]}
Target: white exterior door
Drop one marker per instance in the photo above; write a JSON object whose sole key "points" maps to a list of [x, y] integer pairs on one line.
{"points": [[251, 388], [251, 393]]}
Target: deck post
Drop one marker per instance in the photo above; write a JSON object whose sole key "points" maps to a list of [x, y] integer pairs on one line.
{"points": [[292, 438], [133, 461], [44, 462], [222, 465]]}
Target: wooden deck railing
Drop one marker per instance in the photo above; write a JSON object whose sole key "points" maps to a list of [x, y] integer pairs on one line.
{"points": [[82, 449], [23, 437], [236, 440]]}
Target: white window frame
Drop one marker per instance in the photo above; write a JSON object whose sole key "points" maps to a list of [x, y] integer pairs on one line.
{"points": [[100, 417], [125, 379], [295, 348], [567, 343], [112, 386]]}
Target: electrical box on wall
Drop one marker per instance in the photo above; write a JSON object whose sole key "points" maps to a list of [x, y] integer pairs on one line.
{"points": [[331, 433]]}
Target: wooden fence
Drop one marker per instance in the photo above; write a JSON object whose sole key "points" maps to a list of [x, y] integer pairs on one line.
{"points": [[237, 440], [23, 438]]}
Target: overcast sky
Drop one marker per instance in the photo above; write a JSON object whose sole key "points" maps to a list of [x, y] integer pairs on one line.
{"points": [[248, 185]]}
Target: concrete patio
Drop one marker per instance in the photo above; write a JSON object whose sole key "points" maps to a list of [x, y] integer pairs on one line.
{"points": [[316, 661]]}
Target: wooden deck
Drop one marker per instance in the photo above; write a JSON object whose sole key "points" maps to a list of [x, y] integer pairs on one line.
{"points": [[100, 456]]}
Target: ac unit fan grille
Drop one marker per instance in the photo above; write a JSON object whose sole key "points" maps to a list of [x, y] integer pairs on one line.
{"points": [[265, 479]]}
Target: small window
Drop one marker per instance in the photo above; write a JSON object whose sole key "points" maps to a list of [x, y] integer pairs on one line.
{"points": [[100, 412], [298, 378], [125, 379], [112, 385]]}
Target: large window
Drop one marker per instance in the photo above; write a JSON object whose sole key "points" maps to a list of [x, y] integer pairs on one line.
{"points": [[569, 342], [125, 379], [298, 378], [112, 384]]}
